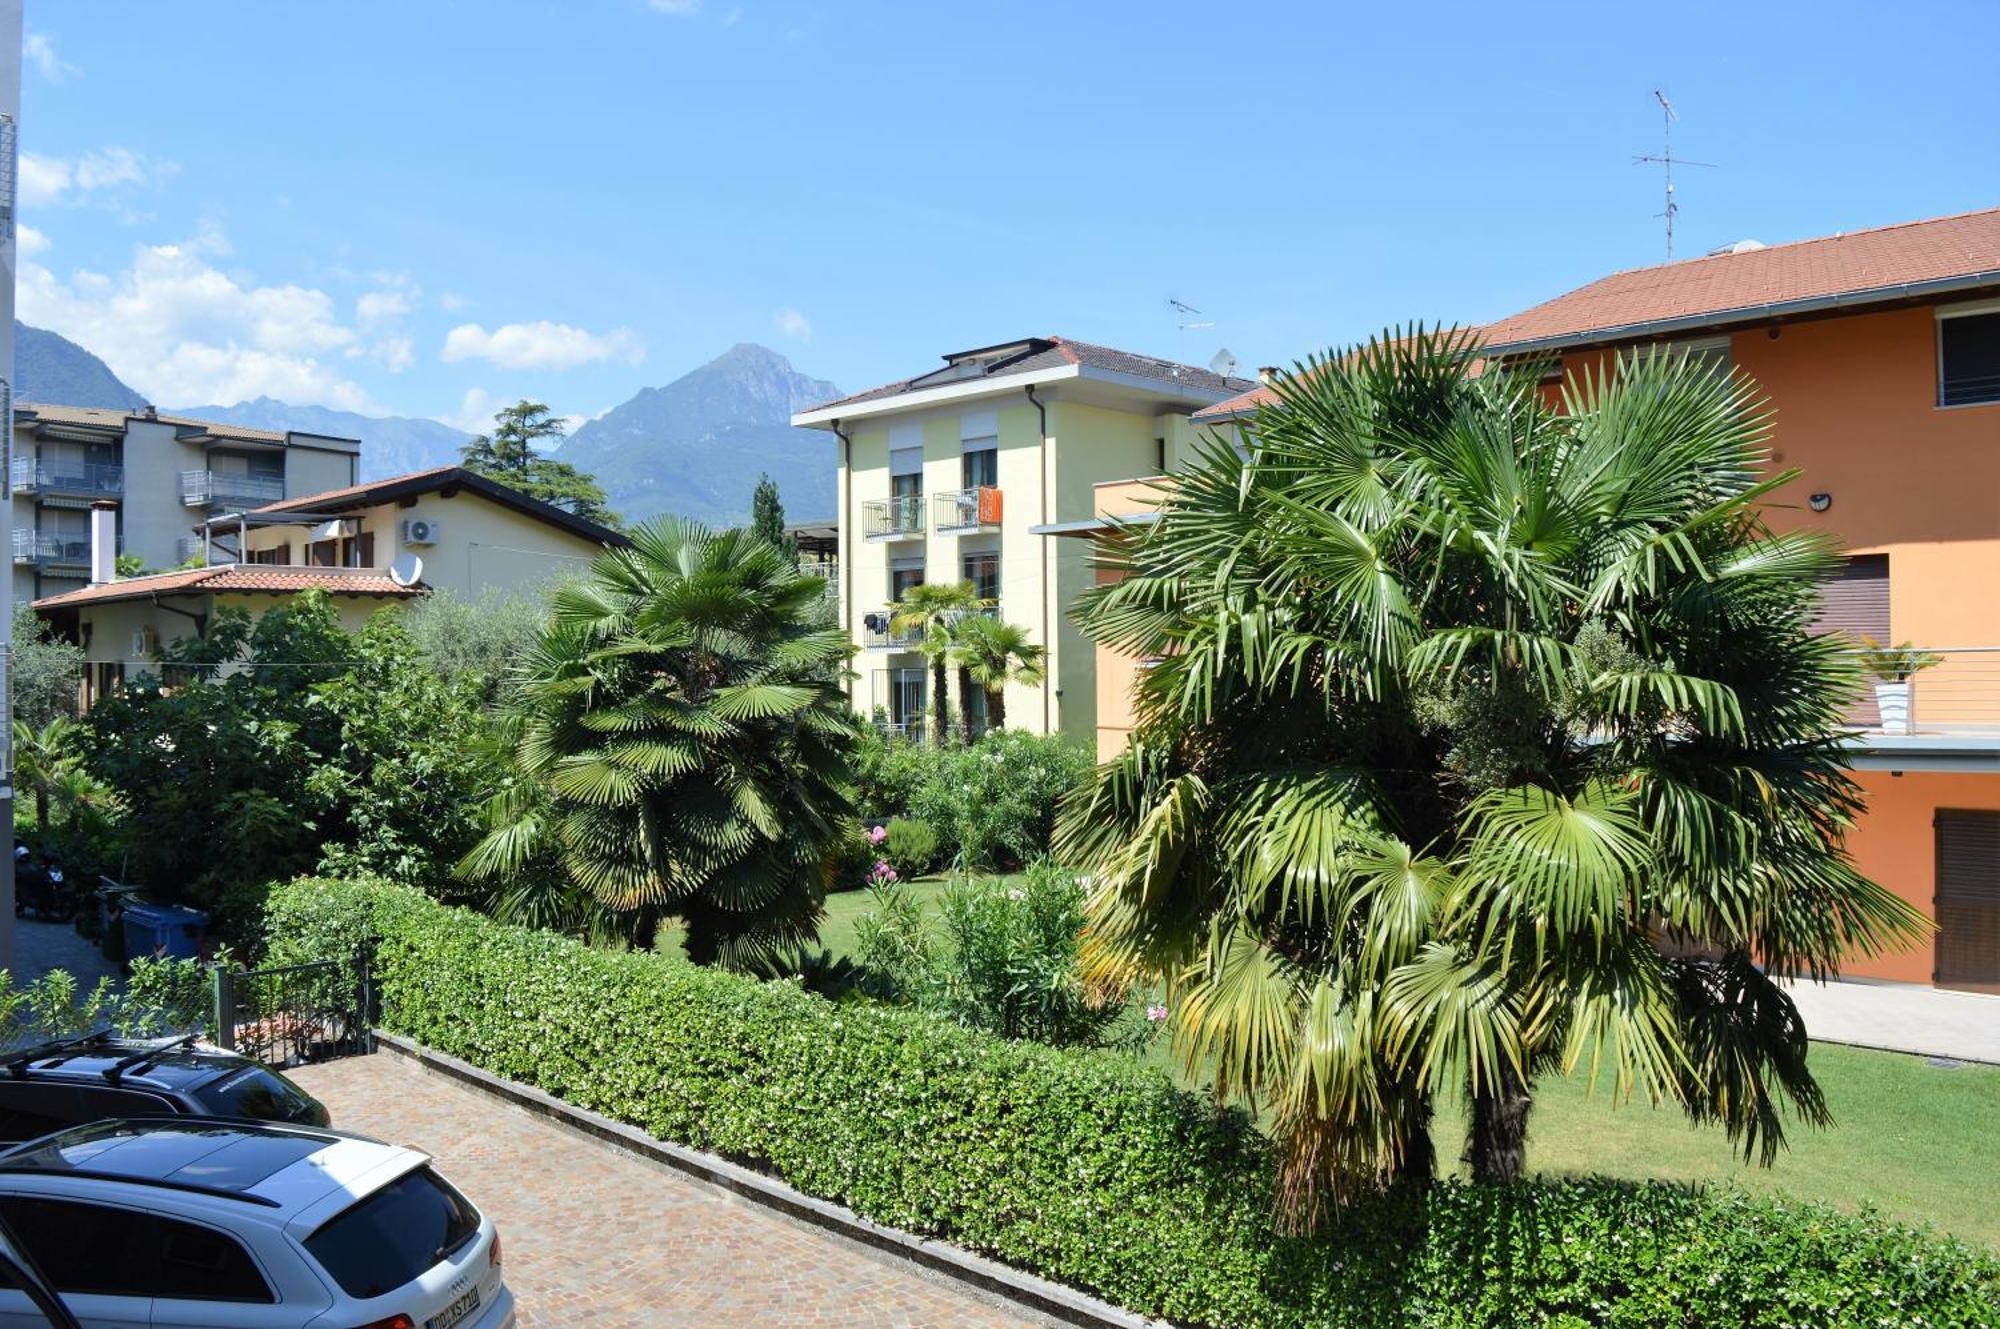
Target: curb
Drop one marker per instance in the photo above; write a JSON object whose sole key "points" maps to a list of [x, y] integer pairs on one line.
{"points": [[1039, 1295]]}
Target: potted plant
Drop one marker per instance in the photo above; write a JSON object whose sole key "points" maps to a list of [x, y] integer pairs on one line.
{"points": [[1893, 667]]}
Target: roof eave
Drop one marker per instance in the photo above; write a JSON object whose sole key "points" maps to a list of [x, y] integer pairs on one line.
{"points": [[1873, 295], [825, 417]]}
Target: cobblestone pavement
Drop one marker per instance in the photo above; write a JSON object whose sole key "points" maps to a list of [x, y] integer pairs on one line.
{"points": [[40, 947], [596, 1237]]}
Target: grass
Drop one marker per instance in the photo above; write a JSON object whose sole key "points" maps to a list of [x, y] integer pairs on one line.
{"points": [[1919, 1142]]}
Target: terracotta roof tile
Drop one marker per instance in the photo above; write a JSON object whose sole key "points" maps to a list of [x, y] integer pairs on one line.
{"points": [[334, 497], [240, 579], [1883, 260]]}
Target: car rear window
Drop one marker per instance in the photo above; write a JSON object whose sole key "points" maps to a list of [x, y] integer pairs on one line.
{"points": [[258, 1094], [389, 1237]]}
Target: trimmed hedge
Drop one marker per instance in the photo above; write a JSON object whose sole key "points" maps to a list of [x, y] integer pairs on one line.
{"points": [[1088, 1169]]}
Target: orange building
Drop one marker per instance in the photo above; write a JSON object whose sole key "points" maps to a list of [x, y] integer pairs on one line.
{"points": [[1879, 353]]}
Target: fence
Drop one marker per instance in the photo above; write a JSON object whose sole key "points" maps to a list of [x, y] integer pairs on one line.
{"points": [[1949, 690], [296, 1013]]}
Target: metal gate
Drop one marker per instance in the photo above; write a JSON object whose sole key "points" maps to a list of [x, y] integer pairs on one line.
{"points": [[295, 1013]]}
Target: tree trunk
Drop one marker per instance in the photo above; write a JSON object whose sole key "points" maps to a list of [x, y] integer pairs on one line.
{"points": [[42, 810], [1418, 1164], [1496, 1145], [938, 722], [965, 703], [996, 708]]}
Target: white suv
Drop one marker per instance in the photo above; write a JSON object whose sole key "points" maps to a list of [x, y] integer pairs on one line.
{"points": [[218, 1224]]}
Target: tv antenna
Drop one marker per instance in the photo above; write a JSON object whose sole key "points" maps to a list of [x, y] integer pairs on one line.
{"points": [[1665, 158], [1187, 311]]}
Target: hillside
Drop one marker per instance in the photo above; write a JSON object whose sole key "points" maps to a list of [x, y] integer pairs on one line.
{"points": [[390, 444], [696, 446], [51, 368]]}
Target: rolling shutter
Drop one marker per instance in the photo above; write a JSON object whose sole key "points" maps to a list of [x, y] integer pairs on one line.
{"points": [[1855, 601], [1968, 898]]}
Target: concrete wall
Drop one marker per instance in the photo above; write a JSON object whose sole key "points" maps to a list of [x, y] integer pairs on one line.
{"points": [[107, 630]]}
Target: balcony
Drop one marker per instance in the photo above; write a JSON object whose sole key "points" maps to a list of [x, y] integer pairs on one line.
{"points": [[961, 511], [878, 632], [45, 550], [1944, 715], [900, 518], [202, 489], [69, 479]]}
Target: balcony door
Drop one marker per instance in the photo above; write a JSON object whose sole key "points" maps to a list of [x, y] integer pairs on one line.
{"points": [[979, 467], [1968, 899]]}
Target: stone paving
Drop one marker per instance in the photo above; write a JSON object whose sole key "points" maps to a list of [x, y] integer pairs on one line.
{"points": [[596, 1237], [40, 947], [1902, 1017]]}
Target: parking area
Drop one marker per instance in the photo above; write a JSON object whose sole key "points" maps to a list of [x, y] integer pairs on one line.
{"points": [[596, 1237]]}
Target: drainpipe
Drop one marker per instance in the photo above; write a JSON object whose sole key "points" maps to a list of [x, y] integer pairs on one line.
{"points": [[1054, 678], [845, 571]]}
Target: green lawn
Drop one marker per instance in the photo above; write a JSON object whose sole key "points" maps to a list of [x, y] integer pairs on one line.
{"points": [[1918, 1141]]}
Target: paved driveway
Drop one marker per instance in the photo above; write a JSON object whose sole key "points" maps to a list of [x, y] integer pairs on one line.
{"points": [[596, 1237], [1902, 1017]]}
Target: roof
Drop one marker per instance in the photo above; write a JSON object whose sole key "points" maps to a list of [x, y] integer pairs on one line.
{"points": [[1034, 354], [115, 417], [1858, 267], [1265, 393], [446, 480], [236, 579]]}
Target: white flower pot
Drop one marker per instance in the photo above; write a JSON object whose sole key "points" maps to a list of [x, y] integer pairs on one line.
{"points": [[1892, 701]]}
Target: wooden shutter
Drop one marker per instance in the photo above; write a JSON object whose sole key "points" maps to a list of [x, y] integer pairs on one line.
{"points": [[1855, 601], [1968, 897]]}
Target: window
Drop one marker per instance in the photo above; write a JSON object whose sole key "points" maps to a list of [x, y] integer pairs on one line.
{"points": [[906, 471], [388, 1238], [1969, 358], [263, 1096], [979, 464], [28, 1110], [358, 551], [323, 554], [983, 571], [279, 554], [102, 1250], [906, 698], [903, 574]]}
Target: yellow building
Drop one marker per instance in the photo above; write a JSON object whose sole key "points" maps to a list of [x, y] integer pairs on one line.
{"points": [[365, 545], [956, 474]]}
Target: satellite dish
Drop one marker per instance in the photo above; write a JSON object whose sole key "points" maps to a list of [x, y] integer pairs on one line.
{"points": [[404, 569], [1223, 363]]}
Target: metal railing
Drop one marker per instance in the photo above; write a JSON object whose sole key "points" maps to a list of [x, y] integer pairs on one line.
{"points": [[880, 633], [42, 548], [30, 476], [975, 509], [1952, 690], [201, 488], [893, 518]]}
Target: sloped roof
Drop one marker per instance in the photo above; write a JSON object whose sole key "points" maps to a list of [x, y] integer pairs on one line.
{"points": [[114, 417], [239, 579], [1857, 267], [1032, 354], [448, 479]]}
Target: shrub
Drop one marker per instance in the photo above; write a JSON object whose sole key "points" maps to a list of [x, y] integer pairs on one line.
{"points": [[911, 847], [1089, 1169], [993, 803], [888, 769]]}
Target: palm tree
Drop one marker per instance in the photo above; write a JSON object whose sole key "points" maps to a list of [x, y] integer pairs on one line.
{"points": [[932, 608], [43, 759], [1487, 741], [682, 742], [993, 654]]}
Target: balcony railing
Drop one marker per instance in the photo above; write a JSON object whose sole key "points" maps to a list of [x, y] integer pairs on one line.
{"points": [[1954, 690], [880, 633], [85, 480], [893, 518], [200, 489], [46, 550], [958, 510]]}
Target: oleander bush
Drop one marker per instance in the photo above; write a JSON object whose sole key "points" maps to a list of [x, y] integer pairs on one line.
{"points": [[1089, 1169], [910, 846]]}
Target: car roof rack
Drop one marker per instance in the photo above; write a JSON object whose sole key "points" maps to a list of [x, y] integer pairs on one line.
{"points": [[96, 1174], [151, 1052], [18, 1061]]}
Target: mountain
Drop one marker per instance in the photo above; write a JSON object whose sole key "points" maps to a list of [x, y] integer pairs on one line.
{"points": [[390, 444], [52, 368], [696, 446]]}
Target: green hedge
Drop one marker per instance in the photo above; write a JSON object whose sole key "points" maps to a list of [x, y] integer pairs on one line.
{"points": [[1088, 1169]]}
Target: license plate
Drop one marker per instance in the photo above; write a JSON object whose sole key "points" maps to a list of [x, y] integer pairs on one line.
{"points": [[455, 1312]]}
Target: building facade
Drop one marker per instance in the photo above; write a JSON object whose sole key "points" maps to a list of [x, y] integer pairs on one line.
{"points": [[165, 473], [951, 475]]}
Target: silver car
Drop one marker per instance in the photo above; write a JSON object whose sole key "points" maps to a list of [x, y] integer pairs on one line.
{"points": [[218, 1224]]}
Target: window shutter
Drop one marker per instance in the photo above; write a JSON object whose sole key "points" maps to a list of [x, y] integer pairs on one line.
{"points": [[1968, 897], [1855, 600]]}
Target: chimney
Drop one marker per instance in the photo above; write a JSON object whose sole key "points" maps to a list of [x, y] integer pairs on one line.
{"points": [[152, 413], [103, 542], [1267, 374]]}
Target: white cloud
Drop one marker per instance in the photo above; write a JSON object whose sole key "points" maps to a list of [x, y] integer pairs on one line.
{"points": [[64, 181], [29, 241], [38, 50], [475, 412], [793, 324], [540, 345], [452, 302], [185, 332], [375, 308], [394, 354]]}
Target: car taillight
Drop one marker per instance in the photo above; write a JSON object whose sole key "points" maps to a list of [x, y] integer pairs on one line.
{"points": [[493, 1251], [396, 1321]]}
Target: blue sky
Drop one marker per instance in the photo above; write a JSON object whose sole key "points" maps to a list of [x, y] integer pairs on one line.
{"points": [[430, 206]]}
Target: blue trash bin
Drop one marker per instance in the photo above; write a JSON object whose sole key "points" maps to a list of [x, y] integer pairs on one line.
{"points": [[163, 930]]}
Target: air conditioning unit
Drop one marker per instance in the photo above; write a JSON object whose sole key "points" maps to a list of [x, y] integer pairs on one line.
{"points": [[421, 531], [145, 643]]}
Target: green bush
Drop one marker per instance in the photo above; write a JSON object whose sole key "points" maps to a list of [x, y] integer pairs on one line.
{"points": [[1089, 1169], [911, 847], [992, 803]]}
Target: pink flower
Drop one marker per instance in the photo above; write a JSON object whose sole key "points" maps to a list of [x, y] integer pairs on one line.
{"points": [[878, 835], [1155, 1013]]}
